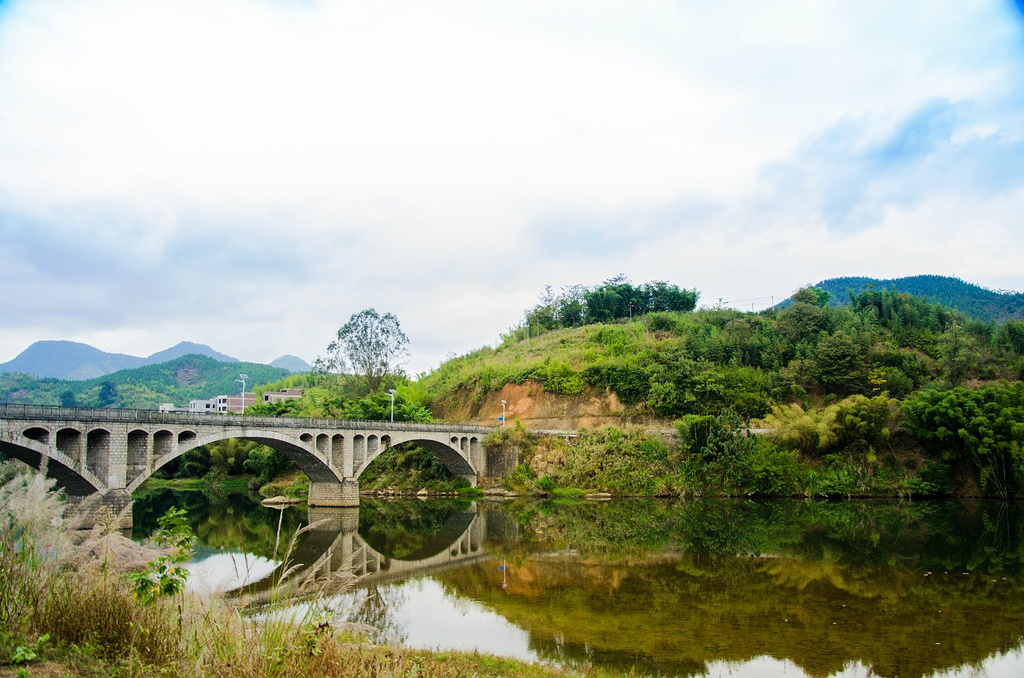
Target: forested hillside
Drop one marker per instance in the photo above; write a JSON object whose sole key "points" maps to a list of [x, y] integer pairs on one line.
{"points": [[176, 381], [973, 301], [671, 364], [891, 393]]}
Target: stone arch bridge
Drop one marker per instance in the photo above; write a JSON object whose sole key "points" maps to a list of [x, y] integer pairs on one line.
{"points": [[108, 453]]}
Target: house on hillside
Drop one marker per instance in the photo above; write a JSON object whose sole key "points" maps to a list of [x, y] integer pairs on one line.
{"points": [[222, 404], [282, 395]]}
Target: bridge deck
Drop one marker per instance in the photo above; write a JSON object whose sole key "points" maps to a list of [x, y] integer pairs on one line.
{"points": [[131, 415]]}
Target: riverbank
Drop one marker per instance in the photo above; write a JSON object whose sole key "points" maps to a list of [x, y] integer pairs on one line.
{"points": [[66, 612]]}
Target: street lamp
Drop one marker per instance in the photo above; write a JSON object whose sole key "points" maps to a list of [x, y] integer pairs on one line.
{"points": [[242, 378], [503, 414], [391, 392]]}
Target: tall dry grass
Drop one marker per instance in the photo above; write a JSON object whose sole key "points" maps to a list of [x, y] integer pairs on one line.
{"points": [[69, 602]]}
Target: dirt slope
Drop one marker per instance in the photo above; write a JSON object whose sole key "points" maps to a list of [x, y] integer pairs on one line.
{"points": [[538, 409]]}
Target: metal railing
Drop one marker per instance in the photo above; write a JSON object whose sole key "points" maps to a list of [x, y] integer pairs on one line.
{"points": [[131, 415]]}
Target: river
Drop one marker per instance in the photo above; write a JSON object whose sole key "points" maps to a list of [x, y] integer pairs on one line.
{"points": [[696, 588]]}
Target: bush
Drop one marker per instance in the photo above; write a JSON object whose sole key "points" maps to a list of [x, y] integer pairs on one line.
{"points": [[520, 479], [771, 471], [615, 460], [545, 484], [978, 429]]}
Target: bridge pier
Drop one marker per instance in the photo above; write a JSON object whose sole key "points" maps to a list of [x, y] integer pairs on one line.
{"points": [[112, 508], [343, 494]]}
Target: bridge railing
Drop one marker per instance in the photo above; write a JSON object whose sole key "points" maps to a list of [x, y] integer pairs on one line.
{"points": [[131, 415]]}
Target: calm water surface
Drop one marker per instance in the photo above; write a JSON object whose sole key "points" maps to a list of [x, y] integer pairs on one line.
{"points": [[713, 588]]}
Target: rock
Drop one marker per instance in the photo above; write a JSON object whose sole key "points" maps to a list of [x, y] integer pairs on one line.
{"points": [[598, 496], [280, 500]]}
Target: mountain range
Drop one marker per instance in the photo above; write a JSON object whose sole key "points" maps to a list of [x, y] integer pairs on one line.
{"points": [[972, 300], [75, 361]]}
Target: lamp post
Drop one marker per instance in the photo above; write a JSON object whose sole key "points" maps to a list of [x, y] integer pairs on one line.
{"points": [[503, 414], [391, 392], [242, 378]]}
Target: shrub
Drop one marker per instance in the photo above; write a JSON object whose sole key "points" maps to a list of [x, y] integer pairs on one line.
{"points": [[772, 471]]}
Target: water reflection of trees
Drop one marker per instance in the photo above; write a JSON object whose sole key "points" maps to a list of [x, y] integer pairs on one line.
{"points": [[983, 537], [411, 530], [908, 589], [232, 522]]}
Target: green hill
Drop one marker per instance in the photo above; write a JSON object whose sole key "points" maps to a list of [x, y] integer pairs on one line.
{"points": [[175, 381], [972, 300], [888, 394], [667, 365]]}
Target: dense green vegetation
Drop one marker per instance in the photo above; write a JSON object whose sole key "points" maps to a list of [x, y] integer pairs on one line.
{"points": [[614, 299], [891, 394], [409, 467], [973, 301], [191, 377]]}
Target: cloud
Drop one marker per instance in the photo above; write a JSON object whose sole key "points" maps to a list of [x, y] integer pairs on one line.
{"points": [[850, 174], [250, 173]]}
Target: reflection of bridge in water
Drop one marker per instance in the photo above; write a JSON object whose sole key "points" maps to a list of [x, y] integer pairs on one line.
{"points": [[333, 547]]}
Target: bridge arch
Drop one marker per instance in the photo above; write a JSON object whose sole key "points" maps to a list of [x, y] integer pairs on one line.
{"points": [[315, 467], [38, 433], [452, 457], [74, 481]]}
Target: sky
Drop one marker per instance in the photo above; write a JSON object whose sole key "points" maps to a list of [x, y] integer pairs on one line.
{"points": [[248, 174]]}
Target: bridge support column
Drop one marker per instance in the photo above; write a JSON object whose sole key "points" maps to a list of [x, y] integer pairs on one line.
{"points": [[345, 493], [471, 479], [112, 508]]}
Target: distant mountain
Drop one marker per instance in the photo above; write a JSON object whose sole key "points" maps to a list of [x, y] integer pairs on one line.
{"points": [[68, 360], [177, 381], [972, 300], [75, 361], [187, 348], [291, 363]]}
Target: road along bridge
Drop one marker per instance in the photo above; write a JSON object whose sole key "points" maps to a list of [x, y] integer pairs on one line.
{"points": [[103, 455]]}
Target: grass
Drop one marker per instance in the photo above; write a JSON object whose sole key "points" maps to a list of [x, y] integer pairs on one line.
{"points": [[61, 615], [293, 484]]}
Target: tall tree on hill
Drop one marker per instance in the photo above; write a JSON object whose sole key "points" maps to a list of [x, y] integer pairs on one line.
{"points": [[373, 344]]}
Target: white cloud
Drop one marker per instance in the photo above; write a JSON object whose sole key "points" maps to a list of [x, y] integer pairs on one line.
{"points": [[250, 173]]}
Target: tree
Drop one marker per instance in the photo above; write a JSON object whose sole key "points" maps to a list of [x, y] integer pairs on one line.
{"points": [[840, 363], [107, 394], [373, 344]]}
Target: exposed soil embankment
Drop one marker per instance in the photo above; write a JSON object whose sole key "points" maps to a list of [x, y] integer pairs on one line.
{"points": [[539, 410]]}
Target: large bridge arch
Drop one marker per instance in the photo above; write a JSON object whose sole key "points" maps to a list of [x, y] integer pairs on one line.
{"points": [[59, 466], [317, 469], [451, 457]]}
